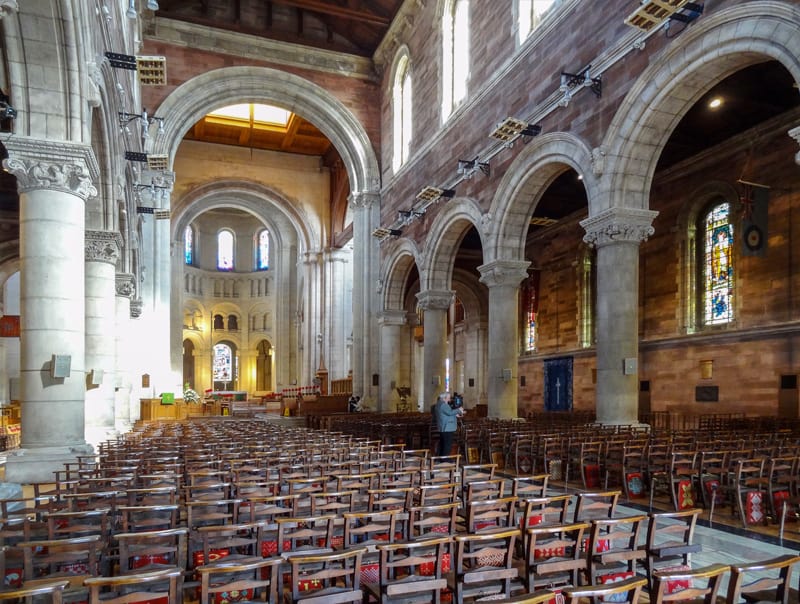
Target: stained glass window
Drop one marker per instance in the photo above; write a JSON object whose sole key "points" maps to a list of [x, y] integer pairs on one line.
{"points": [[223, 363], [262, 251], [188, 245], [530, 308], [718, 273], [225, 251]]}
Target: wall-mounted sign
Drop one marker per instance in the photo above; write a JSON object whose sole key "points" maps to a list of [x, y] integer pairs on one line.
{"points": [[9, 326]]}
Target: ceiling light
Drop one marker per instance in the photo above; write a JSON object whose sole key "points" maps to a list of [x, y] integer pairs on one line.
{"points": [[431, 194], [715, 103]]}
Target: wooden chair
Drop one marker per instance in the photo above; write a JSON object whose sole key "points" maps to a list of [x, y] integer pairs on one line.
{"points": [[269, 509], [528, 487], [326, 578], [484, 565], [670, 539], [771, 584], [626, 591], [553, 555], [433, 520], [204, 513], [333, 502], [53, 589], [542, 596], [255, 580], [684, 478], [709, 576], [489, 514], [134, 518], [435, 494], [302, 536], [596, 504], [74, 559], [614, 547], [750, 481], [388, 499], [226, 542], [410, 571], [152, 550], [160, 585]]}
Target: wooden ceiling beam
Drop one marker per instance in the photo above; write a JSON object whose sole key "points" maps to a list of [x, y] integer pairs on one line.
{"points": [[291, 133], [318, 6]]}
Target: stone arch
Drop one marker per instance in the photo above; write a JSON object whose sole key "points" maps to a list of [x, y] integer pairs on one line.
{"points": [[444, 237], [523, 185], [279, 215], [395, 277], [711, 50], [193, 99], [475, 305]]}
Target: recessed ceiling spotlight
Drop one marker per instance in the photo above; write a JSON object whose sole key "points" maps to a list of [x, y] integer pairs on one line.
{"points": [[715, 103]]}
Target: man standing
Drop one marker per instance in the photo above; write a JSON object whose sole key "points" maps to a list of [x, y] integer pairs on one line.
{"points": [[446, 420]]}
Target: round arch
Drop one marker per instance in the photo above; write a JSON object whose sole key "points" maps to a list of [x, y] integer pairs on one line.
{"points": [[711, 50], [398, 265], [275, 211], [523, 185], [193, 99], [443, 239]]}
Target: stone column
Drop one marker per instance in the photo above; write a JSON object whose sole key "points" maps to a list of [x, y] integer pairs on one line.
{"points": [[126, 288], [617, 234], [338, 291], [366, 264], [54, 181], [435, 304], [393, 324], [503, 277], [102, 252]]}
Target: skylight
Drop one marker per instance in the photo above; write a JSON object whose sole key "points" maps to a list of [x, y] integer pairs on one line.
{"points": [[255, 113]]}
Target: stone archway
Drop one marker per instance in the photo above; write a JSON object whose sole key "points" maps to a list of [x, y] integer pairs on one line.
{"points": [[713, 49]]}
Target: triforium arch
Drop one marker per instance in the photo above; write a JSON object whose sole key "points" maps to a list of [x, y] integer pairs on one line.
{"points": [[711, 50], [526, 180], [195, 98]]}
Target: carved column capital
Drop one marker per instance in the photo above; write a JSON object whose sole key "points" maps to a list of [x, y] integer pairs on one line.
{"points": [[136, 309], [102, 246], [393, 317], [795, 134], [7, 7], [503, 272], [126, 285], [435, 300], [364, 199], [52, 165], [615, 225]]}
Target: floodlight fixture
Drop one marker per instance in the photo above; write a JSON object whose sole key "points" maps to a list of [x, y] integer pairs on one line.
{"points": [[652, 13], [512, 128], [430, 194], [467, 167], [154, 162], [570, 81], [151, 70]]}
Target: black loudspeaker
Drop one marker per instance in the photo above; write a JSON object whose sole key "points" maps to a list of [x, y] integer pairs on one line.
{"points": [[375, 379], [522, 381], [644, 386], [789, 382], [471, 382]]}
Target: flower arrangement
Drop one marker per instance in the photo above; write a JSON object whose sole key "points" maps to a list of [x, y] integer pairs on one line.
{"points": [[189, 395]]}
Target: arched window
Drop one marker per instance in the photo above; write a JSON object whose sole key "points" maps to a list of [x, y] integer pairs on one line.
{"points": [[455, 55], [225, 251], [401, 108], [188, 246], [717, 269], [531, 13], [262, 250], [529, 292]]}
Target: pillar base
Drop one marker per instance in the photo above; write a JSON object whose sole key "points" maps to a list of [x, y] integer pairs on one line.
{"points": [[26, 466]]}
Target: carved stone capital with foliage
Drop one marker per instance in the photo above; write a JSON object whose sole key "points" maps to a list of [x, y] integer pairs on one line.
{"points": [[52, 165], [364, 199], [136, 309], [795, 134], [499, 273], [126, 285], [435, 300], [619, 225], [102, 246]]}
